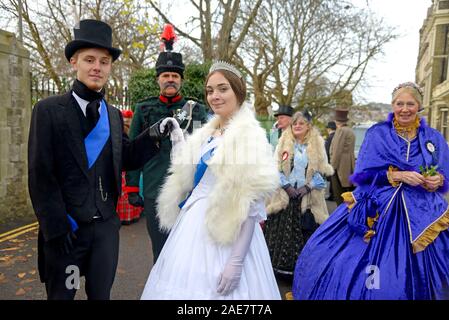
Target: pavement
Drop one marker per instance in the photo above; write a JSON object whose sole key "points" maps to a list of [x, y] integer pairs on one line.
{"points": [[19, 279]]}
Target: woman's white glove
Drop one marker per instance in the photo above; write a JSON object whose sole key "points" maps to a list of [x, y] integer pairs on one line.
{"points": [[230, 276], [172, 125]]}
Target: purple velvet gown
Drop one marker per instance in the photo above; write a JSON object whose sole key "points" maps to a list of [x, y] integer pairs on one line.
{"points": [[401, 254]]}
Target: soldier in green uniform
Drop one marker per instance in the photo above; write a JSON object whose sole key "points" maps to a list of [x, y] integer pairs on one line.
{"points": [[169, 72]]}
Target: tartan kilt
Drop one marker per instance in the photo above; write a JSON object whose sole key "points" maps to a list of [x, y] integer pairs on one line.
{"points": [[126, 212]]}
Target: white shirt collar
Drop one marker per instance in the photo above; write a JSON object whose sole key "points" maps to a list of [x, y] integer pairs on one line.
{"points": [[81, 102]]}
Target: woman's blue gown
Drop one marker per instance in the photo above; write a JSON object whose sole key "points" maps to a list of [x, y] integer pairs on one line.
{"points": [[408, 256]]}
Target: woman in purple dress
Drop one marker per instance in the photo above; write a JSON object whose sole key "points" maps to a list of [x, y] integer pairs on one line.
{"points": [[389, 240]]}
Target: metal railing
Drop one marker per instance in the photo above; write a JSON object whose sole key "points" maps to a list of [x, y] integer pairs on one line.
{"points": [[41, 89]]}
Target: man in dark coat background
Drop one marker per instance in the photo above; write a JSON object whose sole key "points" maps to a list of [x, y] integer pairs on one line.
{"points": [[331, 127], [76, 152], [342, 156]]}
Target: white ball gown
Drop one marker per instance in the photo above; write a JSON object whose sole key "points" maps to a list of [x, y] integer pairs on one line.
{"points": [[190, 263]]}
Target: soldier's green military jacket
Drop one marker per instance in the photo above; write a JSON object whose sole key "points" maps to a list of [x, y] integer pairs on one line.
{"points": [[146, 113]]}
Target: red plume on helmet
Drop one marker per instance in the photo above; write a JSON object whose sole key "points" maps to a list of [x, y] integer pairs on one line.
{"points": [[169, 61], [168, 37]]}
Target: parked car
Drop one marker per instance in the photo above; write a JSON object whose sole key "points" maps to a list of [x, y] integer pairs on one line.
{"points": [[359, 131]]}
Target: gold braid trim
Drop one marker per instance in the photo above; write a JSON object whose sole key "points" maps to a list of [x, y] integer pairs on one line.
{"points": [[432, 232], [370, 221], [349, 199], [289, 296], [368, 235], [390, 180]]}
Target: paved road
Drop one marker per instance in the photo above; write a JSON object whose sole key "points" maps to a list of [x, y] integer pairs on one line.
{"points": [[19, 278]]}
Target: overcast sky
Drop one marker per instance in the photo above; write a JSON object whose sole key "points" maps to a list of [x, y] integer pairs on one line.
{"points": [[399, 62]]}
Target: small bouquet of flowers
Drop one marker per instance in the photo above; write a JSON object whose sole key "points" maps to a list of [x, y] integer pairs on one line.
{"points": [[428, 171]]}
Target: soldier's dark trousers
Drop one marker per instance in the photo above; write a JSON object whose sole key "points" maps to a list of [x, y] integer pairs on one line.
{"points": [[157, 236]]}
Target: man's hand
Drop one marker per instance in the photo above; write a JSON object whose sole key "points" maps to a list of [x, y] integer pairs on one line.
{"points": [[63, 244], [135, 199], [155, 131]]}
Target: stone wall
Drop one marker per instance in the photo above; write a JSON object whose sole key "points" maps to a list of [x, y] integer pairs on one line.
{"points": [[15, 115]]}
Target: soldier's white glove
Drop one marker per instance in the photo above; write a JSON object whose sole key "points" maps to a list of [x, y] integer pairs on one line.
{"points": [[171, 124], [176, 136], [230, 276]]}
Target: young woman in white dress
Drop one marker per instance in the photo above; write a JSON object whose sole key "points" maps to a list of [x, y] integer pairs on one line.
{"points": [[212, 203]]}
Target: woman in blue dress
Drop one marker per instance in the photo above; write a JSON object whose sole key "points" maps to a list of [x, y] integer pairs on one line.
{"points": [[389, 240]]}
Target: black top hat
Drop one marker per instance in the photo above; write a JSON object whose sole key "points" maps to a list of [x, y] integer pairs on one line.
{"points": [[284, 110], [92, 34], [331, 125], [341, 115], [170, 62]]}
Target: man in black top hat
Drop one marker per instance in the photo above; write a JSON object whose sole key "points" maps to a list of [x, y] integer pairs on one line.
{"points": [[76, 152], [283, 119], [169, 103]]}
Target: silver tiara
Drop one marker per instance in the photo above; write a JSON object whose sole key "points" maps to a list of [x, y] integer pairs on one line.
{"points": [[223, 65], [409, 85]]}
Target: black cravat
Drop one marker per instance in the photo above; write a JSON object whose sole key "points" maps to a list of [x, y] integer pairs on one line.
{"points": [[92, 113], [94, 99]]}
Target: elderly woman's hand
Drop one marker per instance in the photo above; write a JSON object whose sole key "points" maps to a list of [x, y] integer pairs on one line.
{"points": [[410, 177], [432, 183]]}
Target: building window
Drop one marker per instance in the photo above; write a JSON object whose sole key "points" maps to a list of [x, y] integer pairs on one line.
{"points": [[443, 5], [443, 123], [441, 53]]}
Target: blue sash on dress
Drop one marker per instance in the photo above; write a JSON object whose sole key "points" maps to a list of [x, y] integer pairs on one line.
{"points": [[199, 173]]}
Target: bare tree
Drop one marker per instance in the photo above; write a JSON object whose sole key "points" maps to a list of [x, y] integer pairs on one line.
{"points": [[310, 53], [289, 49], [324, 48], [219, 38], [49, 26]]}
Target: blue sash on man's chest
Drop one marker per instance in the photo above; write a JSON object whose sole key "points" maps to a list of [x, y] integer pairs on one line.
{"points": [[98, 137]]}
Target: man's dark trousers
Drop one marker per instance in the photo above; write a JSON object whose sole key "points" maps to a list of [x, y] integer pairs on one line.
{"points": [[95, 255]]}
